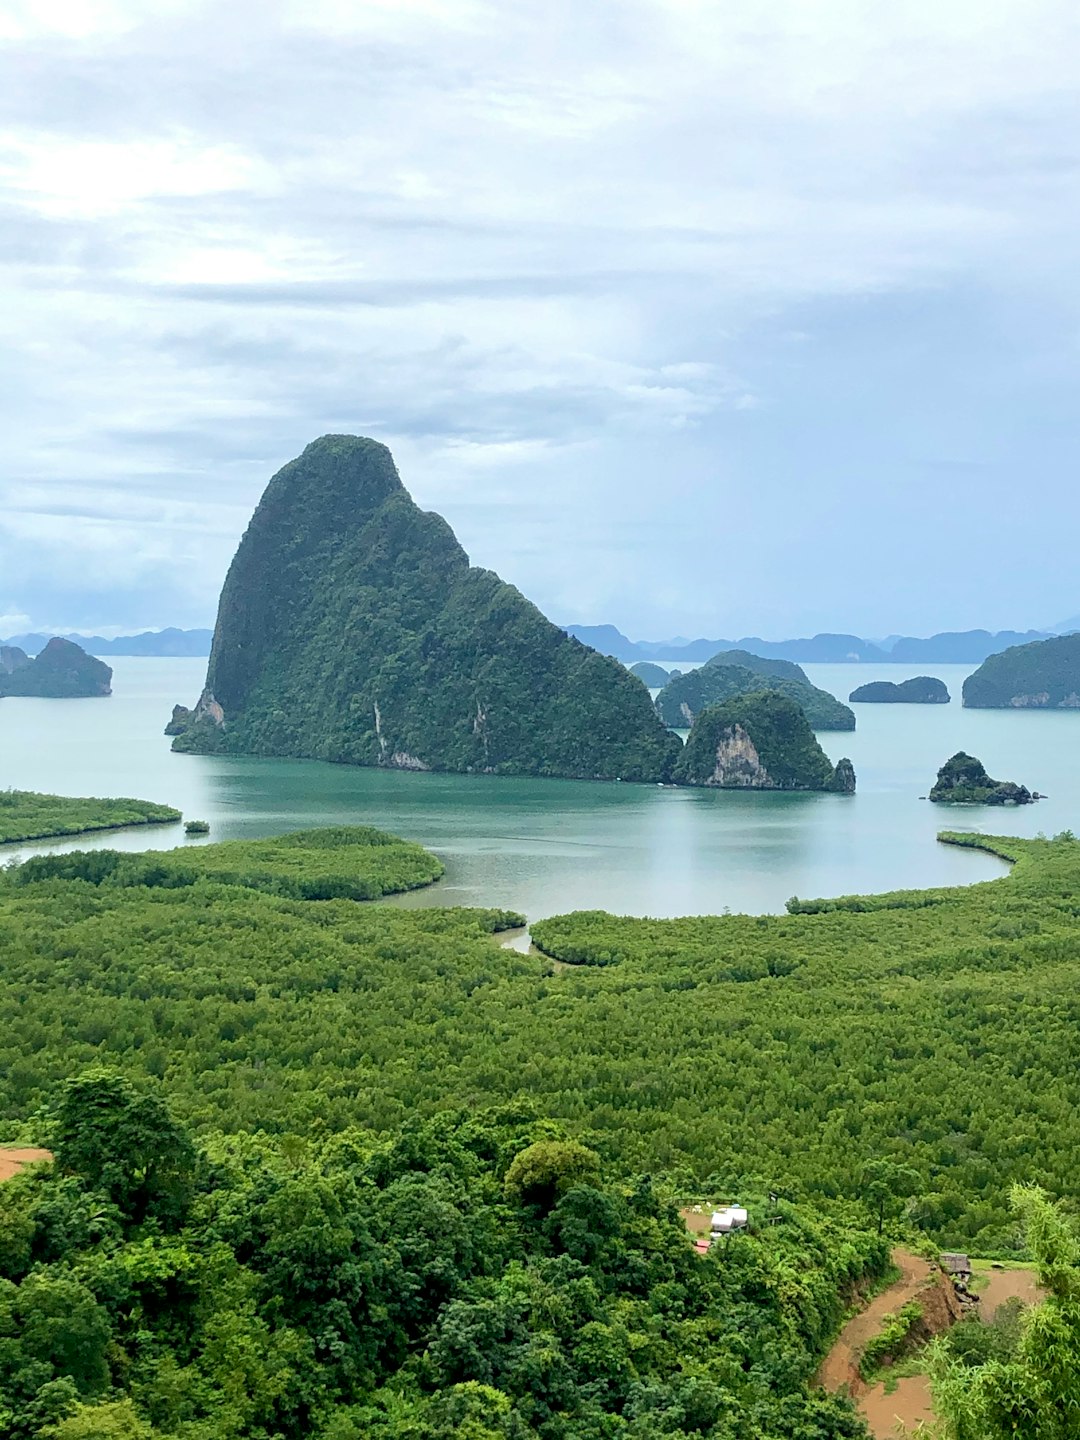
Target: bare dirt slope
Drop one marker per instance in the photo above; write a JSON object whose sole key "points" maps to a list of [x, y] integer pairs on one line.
{"points": [[12, 1161]]}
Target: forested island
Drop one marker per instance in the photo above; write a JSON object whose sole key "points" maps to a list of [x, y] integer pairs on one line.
{"points": [[352, 628], [391, 1186], [27, 815], [920, 690], [1042, 676], [759, 741], [963, 780], [61, 671], [654, 676], [684, 697]]}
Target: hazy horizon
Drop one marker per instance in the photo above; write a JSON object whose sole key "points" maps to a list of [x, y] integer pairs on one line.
{"points": [[690, 322]]}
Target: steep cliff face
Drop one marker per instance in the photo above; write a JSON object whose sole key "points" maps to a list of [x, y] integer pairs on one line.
{"points": [[760, 741], [12, 659], [61, 671], [1042, 676], [685, 696], [352, 628]]}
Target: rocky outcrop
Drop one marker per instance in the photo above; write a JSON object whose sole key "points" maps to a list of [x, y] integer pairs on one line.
{"points": [[61, 671], [963, 780], [352, 628], [760, 741], [921, 690], [1042, 676], [182, 718], [844, 777], [12, 659]]}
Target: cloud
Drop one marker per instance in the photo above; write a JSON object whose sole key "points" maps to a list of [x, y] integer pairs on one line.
{"points": [[579, 264]]}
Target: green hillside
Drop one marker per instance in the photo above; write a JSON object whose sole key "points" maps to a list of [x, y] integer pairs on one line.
{"points": [[686, 696]]}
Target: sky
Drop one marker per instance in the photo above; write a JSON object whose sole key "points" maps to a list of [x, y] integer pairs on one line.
{"points": [[699, 319]]}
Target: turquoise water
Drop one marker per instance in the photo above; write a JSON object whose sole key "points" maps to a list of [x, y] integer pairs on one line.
{"points": [[544, 846]]}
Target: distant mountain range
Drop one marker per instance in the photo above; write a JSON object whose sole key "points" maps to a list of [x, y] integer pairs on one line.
{"points": [[963, 647], [150, 642], [950, 647]]}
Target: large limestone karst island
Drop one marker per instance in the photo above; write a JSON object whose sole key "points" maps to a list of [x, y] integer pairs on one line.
{"points": [[61, 671], [760, 741], [352, 628], [1044, 675]]}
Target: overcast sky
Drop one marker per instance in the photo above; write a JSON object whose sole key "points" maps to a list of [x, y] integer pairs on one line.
{"points": [[696, 318]]}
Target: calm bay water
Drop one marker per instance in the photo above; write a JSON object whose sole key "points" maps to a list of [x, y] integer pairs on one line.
{"points": [[544, 846]]}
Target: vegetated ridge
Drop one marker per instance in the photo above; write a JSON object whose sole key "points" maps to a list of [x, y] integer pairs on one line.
{"points": [[920, 690], [684, 697], [345, 862], [654, 676], [761, 665], [963, 780], [760, 741], [27, 815], [1042, 676], [62, 671], [352, 628]]}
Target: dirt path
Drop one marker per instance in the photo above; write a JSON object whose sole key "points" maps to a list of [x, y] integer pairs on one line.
{"points": [[900, 1413], [1003, 1285], [841, 1366], [12, 1161]]}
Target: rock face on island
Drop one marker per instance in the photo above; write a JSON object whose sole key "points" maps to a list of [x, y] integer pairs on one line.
{"points": [[352, 628], [963, 780], [62, 671], [654, 676], [759, 741], [1044, 675], [686, 696], [12, 659], [921, 690]]}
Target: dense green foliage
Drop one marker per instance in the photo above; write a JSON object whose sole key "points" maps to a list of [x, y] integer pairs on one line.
{"points": [[1021, 1379], [684, 697], [28, 815], [920, 690], [933, 1029], [62, 671], [413, 1289], [1044, 674], [353, 628], [895, 1338], [963, 780], [760, 740], [344, 862], [760, 665], [654, 676]]}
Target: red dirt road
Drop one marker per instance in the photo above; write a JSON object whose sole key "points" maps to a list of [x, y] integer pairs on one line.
{"points": [[900, 1413], [841, 1366], [12, 1161]]}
